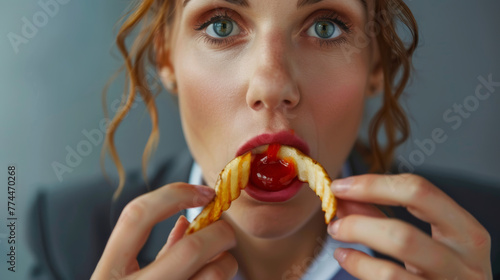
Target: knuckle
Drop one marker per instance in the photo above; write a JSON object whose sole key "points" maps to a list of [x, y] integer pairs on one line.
{"points": [[402, 236], [134, 211], [351, 262], [198, 199], [347, 224], [388, 273], [365, 182], [217, 272], [175, 186], [186, 195], [399, 179], [478, 274], [175, 190], [417, 188], [440, 259], [481, 239], [351, 226], [193, 244], [189, 252]]}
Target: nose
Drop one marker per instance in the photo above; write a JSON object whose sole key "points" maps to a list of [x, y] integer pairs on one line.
{"points": [[272, 85]]}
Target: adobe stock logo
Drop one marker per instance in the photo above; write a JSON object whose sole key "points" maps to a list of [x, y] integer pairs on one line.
{"points": [[31, 26], [454, 117], [94, 137]]}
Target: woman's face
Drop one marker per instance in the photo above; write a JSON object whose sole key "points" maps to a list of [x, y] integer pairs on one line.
{"points": [[250, 67]]}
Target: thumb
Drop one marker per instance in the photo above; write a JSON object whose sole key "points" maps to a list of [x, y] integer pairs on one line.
{"points": [[175, 235]]}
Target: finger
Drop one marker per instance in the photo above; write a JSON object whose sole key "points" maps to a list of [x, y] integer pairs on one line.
{"points": [[419, 196], [413, 269], [192, 252], [363, 266], [399, 240], [346, 207], [175, 235], [141, 214], [224, 266]]}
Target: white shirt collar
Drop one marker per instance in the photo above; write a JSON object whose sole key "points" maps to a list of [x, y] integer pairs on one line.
{"points": [[195, 178], [323, 267]]}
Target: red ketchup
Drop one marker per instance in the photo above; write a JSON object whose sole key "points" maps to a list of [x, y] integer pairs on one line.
{"points": [[270, 173]]}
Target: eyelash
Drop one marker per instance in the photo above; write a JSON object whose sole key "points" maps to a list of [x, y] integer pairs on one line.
{"points": [[220, 15], [333, 17]]}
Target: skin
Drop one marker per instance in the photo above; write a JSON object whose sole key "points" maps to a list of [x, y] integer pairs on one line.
{"points": [[273, 76]]}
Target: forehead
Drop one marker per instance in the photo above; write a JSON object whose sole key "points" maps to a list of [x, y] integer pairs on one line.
{"points": [[300, 3]]}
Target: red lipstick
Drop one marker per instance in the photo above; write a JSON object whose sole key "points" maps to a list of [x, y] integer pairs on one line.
{"points": [[273, 179], [287, 138]]}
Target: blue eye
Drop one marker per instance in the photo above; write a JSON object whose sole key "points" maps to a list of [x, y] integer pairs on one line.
{"points": [[223, 28], [324, 30]]}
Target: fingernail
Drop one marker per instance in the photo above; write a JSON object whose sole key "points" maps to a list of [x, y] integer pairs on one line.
{"points": [[342, 184], [340, 254], [181, 219], [205, 191], [334, 228]]}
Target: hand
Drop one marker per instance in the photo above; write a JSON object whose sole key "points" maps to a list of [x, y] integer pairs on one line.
{"points": [[459, 247], [201, 255]]}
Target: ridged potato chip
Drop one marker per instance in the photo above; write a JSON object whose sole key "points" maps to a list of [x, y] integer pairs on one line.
{"points": [[310, 171], [234, 177]]}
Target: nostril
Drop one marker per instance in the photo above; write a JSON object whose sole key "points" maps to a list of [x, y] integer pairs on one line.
{"points": [[257, 104], [287, 102]]}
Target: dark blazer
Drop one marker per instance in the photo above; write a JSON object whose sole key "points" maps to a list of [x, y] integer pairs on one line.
{"points": [[69, 227]]}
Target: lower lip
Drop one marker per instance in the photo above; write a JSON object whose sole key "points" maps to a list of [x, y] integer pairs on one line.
{"points": [[279, 196]]}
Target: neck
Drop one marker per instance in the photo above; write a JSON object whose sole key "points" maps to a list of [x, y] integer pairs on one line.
{"points": [[257, 257]]}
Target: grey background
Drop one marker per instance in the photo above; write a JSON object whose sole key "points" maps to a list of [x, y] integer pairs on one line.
{"points": [[51, 91]]}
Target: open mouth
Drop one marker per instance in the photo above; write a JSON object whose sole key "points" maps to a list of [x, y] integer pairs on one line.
{"points": [[272, 179], [268, 173]]}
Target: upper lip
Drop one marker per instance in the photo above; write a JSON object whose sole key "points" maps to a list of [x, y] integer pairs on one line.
{"points": [[287, 138]]}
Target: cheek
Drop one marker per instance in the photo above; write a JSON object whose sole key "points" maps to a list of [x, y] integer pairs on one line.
{"points": [[207, 105], [339, 125], [334, 87], [335, 91], [196, 104], [199, 106], [341, 104], [335, 99]]}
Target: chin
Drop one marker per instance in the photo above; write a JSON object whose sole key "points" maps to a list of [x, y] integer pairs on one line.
{"points": [[273, 220]]}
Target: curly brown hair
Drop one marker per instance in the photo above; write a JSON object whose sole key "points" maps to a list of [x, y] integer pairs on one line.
{"points": [[154, 18]]}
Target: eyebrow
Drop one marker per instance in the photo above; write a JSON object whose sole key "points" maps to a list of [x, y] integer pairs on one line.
{"points": [[242, 3], [302, 3]]}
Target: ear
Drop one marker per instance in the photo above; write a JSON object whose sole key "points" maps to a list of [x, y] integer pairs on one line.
{"points": [[376, 78], [164, 64]]}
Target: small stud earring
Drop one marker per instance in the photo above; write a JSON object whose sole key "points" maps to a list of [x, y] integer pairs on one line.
{"points": [[171, 86]]}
